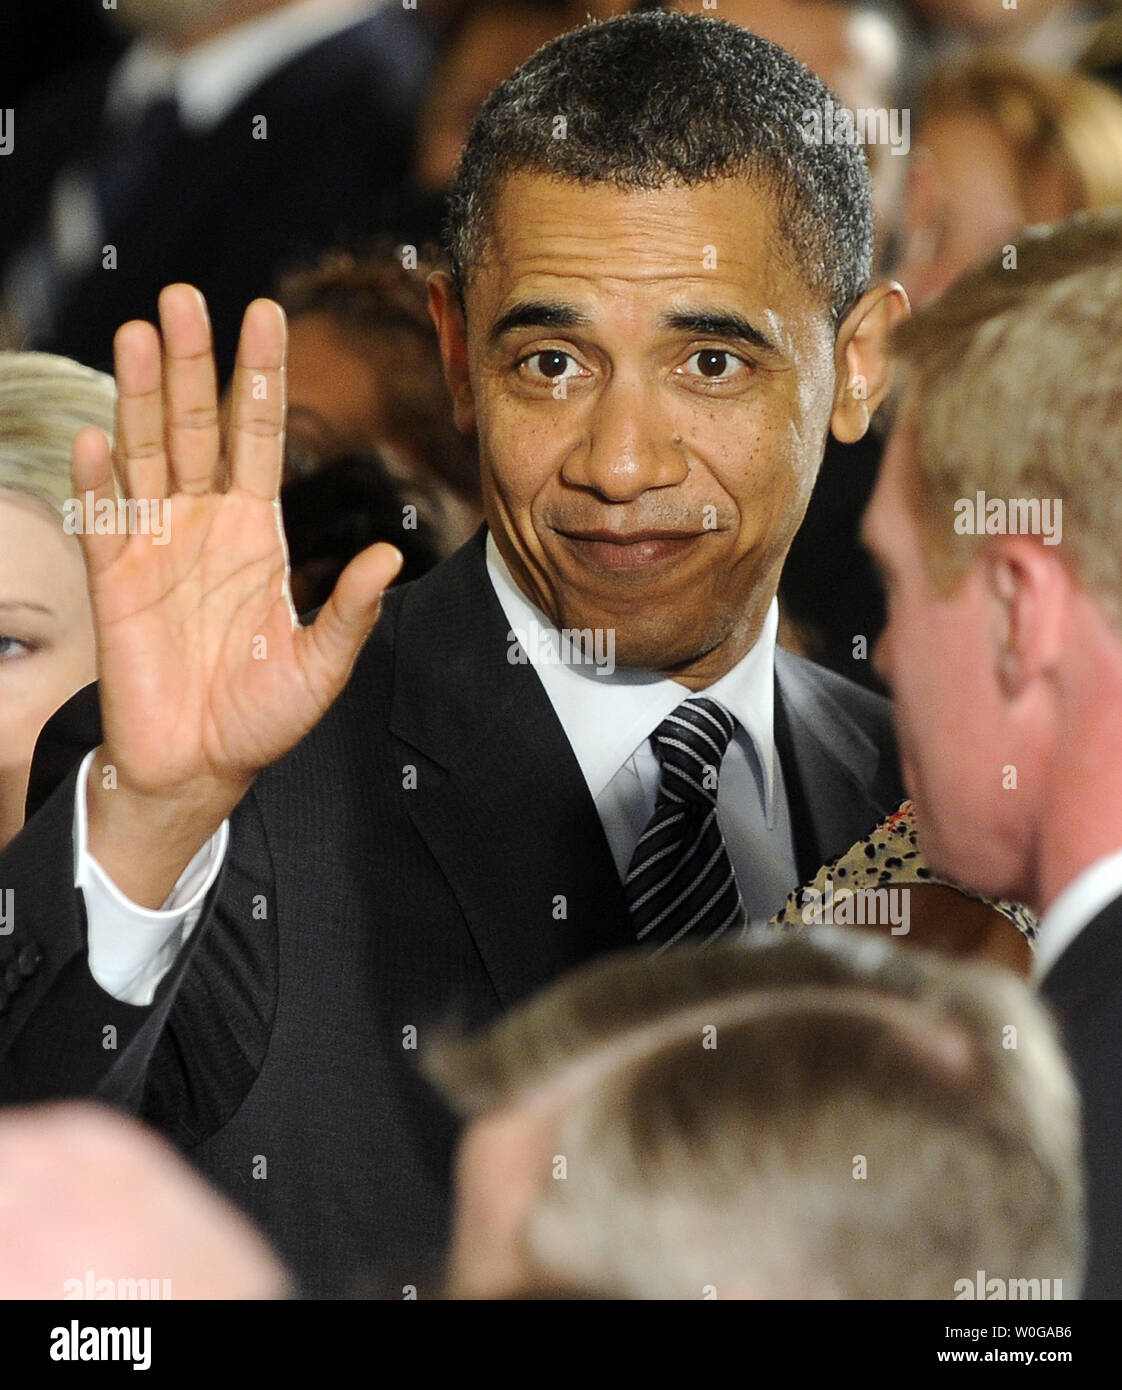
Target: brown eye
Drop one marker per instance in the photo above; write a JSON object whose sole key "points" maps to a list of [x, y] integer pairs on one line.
{"points": [[551, 363], [712, 362]]}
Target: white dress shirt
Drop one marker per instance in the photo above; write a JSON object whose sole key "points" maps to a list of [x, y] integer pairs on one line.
{"points": [[1077, 906], [132, 948], [608, 719]]}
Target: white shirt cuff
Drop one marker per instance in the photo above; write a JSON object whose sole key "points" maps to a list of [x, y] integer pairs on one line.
{"points": [[132, 948]]}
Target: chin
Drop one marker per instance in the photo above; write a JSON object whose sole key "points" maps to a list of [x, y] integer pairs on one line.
{"points": [[958, 846], [939, 848], [659, 639], [656, 652]]}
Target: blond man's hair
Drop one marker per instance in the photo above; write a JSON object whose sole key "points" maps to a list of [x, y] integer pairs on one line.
{"points": [[822, 1116], [1012, 380], [44, 401]]}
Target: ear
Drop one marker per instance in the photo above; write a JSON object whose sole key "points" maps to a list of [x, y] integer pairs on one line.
{"points": [[451, 329], [1028, 596], [862, 366]]}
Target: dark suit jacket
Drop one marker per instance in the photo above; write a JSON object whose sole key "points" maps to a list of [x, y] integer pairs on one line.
{"points": [[396, 871], [1084, 988], [221, 209]]}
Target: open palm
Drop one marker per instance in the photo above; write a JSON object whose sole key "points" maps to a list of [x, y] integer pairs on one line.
{"points": [[206, 676]]}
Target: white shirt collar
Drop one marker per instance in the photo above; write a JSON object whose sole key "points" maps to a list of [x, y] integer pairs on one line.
{"points": [[210, 80], [1081, 901], [609, 713]]}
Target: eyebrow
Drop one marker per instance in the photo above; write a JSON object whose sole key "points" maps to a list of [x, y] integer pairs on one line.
{"points": [[721, 323], [538, 313], [8, 604], [710, 323]]}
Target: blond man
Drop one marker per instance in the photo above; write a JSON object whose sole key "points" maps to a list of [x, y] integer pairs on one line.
{"points": [[996, 522]]}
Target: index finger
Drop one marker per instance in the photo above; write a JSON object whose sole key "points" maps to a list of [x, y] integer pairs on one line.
{"points": [[256, 448]]}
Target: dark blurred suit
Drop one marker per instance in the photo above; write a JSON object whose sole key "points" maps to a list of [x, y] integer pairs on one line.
{"points": [[216, 207], [1084, 987]]}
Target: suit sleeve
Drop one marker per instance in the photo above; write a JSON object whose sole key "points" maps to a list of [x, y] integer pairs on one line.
{"points": [[61, 1034]]}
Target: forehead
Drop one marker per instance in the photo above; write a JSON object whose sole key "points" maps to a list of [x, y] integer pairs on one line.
{"points": [[643, 247], [34, 549]]}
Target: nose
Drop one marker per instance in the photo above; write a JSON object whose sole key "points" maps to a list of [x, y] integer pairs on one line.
{"points": [[628, 445]]}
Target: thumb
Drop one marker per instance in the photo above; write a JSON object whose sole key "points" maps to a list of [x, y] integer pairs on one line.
{"points": [[342, 624]]}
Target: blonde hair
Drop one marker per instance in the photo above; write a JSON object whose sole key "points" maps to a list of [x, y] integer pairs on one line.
{"points": [[1013, 380], [710, 1107], [44, 401], [1044, 116]]}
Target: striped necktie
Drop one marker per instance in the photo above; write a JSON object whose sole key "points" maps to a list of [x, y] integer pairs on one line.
{"points": [[680, 884]]}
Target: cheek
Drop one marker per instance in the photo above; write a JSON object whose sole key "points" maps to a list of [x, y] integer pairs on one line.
{"points": [[913, 658], [768, 474], [521, 450], [33, 688]]}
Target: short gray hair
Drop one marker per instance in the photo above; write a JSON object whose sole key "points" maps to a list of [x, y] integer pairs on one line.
{"points": [[654, 100]]}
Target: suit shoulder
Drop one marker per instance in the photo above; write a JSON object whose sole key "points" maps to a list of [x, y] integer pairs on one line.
{"points": [[872, 711]]}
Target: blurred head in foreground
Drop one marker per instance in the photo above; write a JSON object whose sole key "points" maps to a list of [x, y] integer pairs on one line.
{"points": [[996, 522], [94, 1205], [46, 630], [821, 1116]]}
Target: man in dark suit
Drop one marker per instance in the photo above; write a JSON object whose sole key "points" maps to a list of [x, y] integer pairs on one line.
{"points": [[996, 521], [300, 855], [229, 141]]}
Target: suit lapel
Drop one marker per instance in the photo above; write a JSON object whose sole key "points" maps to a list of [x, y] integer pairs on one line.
{"points": [[838, 786], [504, 809]]}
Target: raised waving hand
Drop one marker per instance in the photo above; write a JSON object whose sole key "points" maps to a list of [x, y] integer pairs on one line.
{"points": [[206, 677]]}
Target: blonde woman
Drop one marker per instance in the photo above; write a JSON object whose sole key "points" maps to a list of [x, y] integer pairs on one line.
{"points": [[46, 632], [1001, 144]]}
